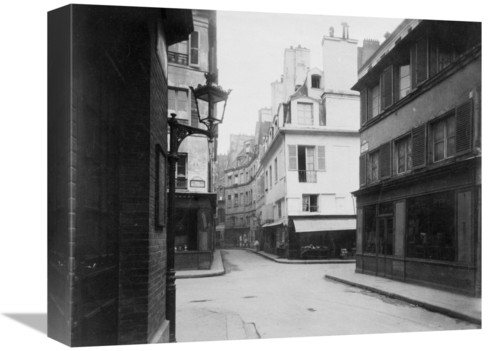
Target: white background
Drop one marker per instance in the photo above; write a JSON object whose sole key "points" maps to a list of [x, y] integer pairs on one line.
{"points": [[23, 173]]}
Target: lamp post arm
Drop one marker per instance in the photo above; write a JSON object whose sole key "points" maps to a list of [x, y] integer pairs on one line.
{"points": [[183, 131]]}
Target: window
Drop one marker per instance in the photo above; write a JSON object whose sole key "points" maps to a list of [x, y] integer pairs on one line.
{"points": [[373, 167], [279, 209], [265, 179], [178, 104], [443, 138], [431, 227], [229, 180], [229, 203], [241, 200], [236, 200], [181, 172], [270, 176], [305, 113], [246, 177], [307, 160], [375, 101], [235, 179], [310, 203], [404, 81], [402, 155], [194, 43], [180, 53], [316, 81], [369, 229], [276, 169]]}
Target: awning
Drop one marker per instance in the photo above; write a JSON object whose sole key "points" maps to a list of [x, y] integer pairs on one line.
{"points": [[324, 224], [279, 222]]}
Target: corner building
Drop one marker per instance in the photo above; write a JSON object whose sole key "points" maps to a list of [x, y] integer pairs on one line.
{"points": [[419, 200]]}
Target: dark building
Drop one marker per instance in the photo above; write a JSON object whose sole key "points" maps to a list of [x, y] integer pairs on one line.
{"points": [[107, 146], [419, 201]]}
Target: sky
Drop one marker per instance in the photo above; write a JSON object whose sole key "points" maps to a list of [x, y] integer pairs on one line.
{"points": [[250, 55]]}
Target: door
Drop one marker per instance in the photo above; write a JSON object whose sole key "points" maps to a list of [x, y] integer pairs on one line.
{"points": [[385, 246]]}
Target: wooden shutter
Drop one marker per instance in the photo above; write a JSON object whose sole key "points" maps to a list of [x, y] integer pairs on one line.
{"points": [[369, 113], [363, 109], [362, 169], [321, 158], [422, 60], [413, 66], [385, 160], [396, 84], [463, 133], [433, 57], [194, 112], [292, 157], [418, 147], [386, 88], [194, 44]]}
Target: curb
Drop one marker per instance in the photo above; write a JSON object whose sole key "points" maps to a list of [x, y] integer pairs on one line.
{"points": [[285, 261], [205, 275], [422, 304]]}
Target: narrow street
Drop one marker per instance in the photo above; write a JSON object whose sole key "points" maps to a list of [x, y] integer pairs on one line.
{"points": [[259, 298]]}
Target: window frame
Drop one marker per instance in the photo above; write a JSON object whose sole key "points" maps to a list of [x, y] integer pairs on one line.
{"points": [[190, 48], [301, 119], [450, 116], [308, 205], [370, 167], [184, 120], [408, 151]]}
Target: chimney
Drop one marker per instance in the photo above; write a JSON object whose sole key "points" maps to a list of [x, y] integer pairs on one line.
{"points": [[369, 48], [345, 30]]}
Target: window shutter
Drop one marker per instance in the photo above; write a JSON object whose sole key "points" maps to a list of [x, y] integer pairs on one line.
{"points": [[363, 109], [386, 92], [194, 112], [422, 60], [464, 128], [321, 158], [194, 48], [418, 146], [413, 64], [292, 157], [396, 84], [362, 169], [433, 57], [369, 113], [385, 160]]}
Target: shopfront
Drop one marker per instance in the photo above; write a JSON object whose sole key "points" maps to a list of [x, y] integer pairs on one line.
{"points": [[421, 236]]}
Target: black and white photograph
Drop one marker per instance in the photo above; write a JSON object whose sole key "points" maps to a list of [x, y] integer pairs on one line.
{"points": [[220, 175]]}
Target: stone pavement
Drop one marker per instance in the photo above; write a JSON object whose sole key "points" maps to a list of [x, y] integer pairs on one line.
{"points": [[343, 271]]}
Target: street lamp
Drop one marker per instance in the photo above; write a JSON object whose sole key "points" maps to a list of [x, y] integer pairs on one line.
{"points": [[211, 94]]}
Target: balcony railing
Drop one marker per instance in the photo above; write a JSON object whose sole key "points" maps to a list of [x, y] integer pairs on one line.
{"points": [[310, 208], [175, 57], [307, 177]]}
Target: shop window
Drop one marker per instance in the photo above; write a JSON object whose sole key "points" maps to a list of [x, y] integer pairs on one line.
{"points": [[431, 227], [369, 230]]}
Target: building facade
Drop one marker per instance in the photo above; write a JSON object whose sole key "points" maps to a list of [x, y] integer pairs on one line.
{"points": [[107, 145], [302, 171], [196, 202], [419, 200]]}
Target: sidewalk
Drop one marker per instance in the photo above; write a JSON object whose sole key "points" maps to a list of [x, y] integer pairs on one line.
{"points": [[216, 269], [343, 271]]}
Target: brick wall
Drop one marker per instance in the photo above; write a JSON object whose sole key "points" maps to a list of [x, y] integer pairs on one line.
{"points": [[157, 236]]}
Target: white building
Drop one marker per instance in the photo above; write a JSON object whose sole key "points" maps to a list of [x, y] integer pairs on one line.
{"points": [[309, 162]]}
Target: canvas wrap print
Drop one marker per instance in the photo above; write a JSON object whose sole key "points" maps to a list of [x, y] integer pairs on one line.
{"points": [[210, 178]]}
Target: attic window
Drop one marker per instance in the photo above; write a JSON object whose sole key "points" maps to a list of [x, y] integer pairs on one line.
{"points": [[315, 81]]}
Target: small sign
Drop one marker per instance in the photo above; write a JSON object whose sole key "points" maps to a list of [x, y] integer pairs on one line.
{"points": [[195, 183], [364, 146]]}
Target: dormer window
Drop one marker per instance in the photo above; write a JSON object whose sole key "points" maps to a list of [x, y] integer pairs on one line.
{"points": [[316, 81], [305, 113]]}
